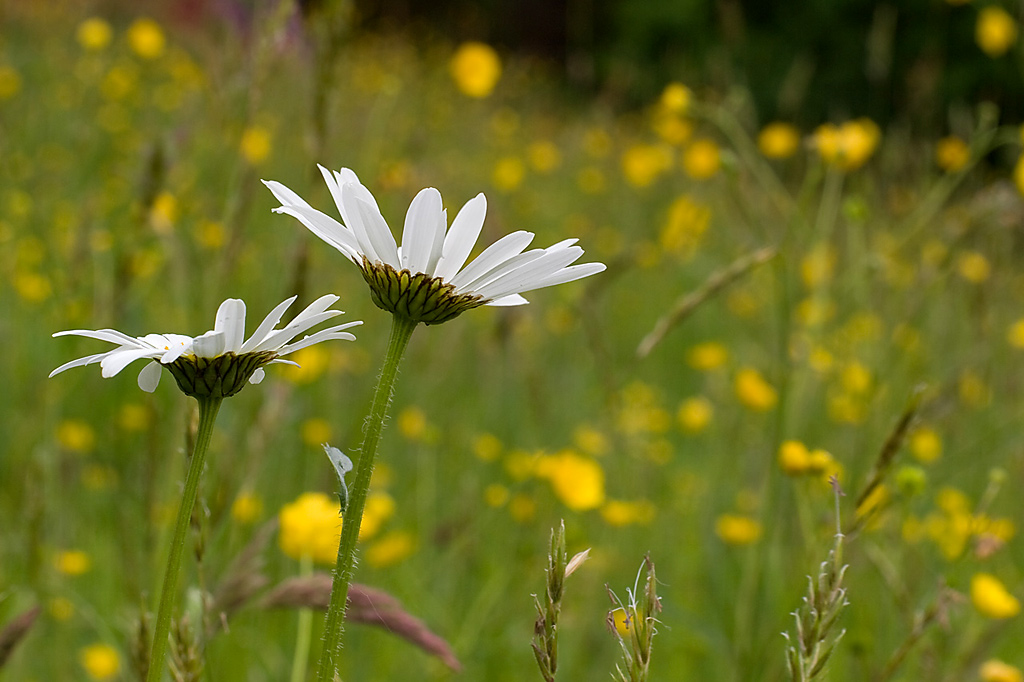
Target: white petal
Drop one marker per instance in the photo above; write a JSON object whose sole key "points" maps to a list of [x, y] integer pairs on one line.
{"points": [[322, 335], [500, 251], [500, 271], [423, 235], [149, 377], [371, 230], [231, 323], [461, 238], [530, 275], [81, 362], [268, 323], [116, 360], [327, 229], [286, 196], [570, 274], [334, 186], [257, 376], [275, 340], [111, 335], [510, 300], [209, 345]]}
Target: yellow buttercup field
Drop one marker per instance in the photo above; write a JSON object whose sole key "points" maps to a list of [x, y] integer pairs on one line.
{"points": [[763, 365]]}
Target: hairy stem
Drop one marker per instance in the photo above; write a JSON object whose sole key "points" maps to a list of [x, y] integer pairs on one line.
{"points": [[208, 408], [401, 332]]}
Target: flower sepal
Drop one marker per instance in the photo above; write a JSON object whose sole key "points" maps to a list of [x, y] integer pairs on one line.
{"points": [[218, 377], [419, 297]]}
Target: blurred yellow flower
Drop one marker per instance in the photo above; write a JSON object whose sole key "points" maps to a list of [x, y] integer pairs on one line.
{"points": [[973, 267], [10, 82], [76, 435], [794, 458], [210, 234], [855, 378], [134, 417], [754, 391], [379, 508], [390, 549], [973, 390], [597, 142], [643, 163], [487, 447], [412, 423], [991, 598], [544, 156], [815, 311], [94, 34], [146, 38], [508, 173], [32, 287], [845, 408], [994, 670], [311, 526], [255, 144], [316, 431], [476, 68], [621, 621], [591, 180], [818, 265], [847, 146], [164, 213], [695, 414], [591, 440], [701, 159], [996, 31], [496, 495], [522, 507], [952, 153], [707, 356], [1018, 174], [313, 362], [61, 609], [685, 226], [778, 140], [676, 98], [101, 661], [577, 481], [672, 128], [72, 562], [1015, 334], [925, 444], [641, 411], [247, 507], [822, 463], [620, 513], [736, 529]]}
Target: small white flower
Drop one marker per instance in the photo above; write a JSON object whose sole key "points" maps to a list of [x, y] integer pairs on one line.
{"points": [[498, 276], [243, 359]]}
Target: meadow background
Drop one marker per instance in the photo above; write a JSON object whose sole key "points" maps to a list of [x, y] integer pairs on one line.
{"points": [[132, 142]]}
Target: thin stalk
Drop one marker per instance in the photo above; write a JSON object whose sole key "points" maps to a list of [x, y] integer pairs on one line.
{"points": [[208, 408], [305, 628], [401, 331]]}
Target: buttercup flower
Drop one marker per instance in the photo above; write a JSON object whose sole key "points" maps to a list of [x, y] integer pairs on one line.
{"points": [[219, 362], [424, 279]]}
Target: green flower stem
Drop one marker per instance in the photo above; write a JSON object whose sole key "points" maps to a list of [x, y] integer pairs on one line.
{"points": [[208, 408], [401, 332]]}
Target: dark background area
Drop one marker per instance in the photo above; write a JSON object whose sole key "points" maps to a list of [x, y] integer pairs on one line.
{"points": [[805, 61]]}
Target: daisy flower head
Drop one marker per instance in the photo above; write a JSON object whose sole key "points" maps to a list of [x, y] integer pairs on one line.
{"points": [[218, 363], [426, 279]]}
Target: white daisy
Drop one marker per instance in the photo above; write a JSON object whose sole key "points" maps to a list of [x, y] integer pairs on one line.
{"points": [[218, 362], [424, 278]]}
